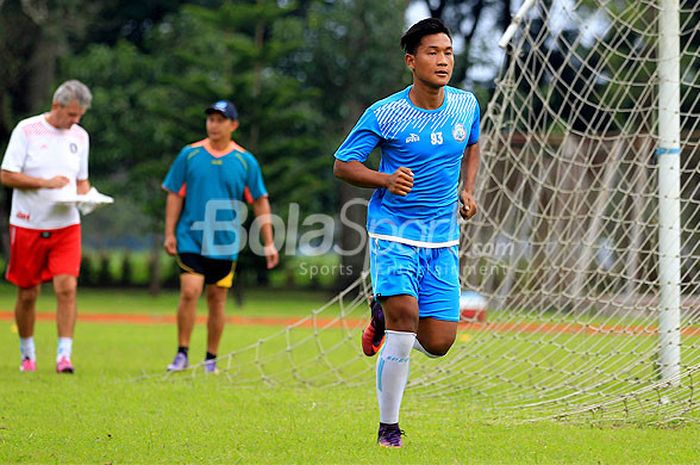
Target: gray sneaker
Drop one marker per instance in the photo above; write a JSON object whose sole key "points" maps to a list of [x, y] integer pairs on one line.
{"points": [[210, 367], [180, 362]]}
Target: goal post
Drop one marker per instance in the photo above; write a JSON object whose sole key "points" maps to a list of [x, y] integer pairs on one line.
{"points": [[669, 169], [583, 175]]}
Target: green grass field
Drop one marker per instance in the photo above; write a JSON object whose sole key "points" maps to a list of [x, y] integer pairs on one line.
{"points": [[105, 415]]}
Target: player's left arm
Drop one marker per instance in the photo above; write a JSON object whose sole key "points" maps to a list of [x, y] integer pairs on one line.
{"points": [[470, 166], [262, 210], [82, 182], [83, 186], [255, 186]]}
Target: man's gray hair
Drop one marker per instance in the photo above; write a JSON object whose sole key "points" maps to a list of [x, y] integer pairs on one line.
{"points": [[73, 90]]}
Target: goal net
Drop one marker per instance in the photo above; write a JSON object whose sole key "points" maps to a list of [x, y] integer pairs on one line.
{"points": [[565, 248]]}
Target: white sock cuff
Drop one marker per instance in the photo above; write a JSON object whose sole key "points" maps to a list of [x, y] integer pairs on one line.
{"points": [[398, 343], [401, 333], [419, 347], [65, 347], [26, 347]]}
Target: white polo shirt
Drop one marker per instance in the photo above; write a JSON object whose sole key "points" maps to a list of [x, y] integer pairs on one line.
{"points": [[40, 150]]}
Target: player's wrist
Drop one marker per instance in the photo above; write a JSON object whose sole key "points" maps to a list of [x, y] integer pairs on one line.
{"points": [[385, 180]]}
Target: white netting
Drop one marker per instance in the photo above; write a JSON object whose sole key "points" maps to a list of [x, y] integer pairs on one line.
{"points": [[565, 248]]}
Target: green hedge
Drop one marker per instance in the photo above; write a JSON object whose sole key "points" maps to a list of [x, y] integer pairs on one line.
{"points": [[119, 268]]}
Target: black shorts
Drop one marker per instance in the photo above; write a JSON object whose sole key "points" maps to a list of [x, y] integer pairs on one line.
{"points": [[219, 272]]}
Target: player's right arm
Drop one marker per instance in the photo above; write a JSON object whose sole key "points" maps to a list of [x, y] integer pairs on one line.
{"points": [[353, 153], [175, 184], [400, 182], [173, 208], [22, 181]]}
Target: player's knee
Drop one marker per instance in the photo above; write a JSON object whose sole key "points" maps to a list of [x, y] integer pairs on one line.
{"points": [[439, 351], [65, 293], [216, 300], [65, 290], [404, 322], [65, 285], [189, 293], [441, 347], [28, 296]]}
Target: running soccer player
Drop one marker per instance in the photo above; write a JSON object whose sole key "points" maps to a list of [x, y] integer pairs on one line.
{"points": [[47, 156], [203, 216], [428, 135]]}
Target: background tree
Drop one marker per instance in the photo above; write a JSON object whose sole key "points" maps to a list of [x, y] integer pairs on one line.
{"points": [[149, 103]]}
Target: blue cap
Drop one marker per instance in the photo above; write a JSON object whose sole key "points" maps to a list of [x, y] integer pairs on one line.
{"points": [[225, 107]]}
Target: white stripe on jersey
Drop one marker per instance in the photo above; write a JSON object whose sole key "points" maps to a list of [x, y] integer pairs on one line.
{"points": [[395, 116], [402, 240]]}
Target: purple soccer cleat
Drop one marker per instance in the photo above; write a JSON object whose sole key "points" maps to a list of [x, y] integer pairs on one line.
{"points": [[373, 335], [180, 362], [390, 435]]}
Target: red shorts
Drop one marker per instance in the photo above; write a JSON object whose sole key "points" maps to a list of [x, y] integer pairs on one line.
{"points": [[38, 255]]}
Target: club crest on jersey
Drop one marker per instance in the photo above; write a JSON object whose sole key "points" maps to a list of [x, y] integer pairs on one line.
{"points": [[412, 138], [459, 133], [73, 147]]}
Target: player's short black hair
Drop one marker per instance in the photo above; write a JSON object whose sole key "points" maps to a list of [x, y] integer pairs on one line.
{"points": [[425, 27]]}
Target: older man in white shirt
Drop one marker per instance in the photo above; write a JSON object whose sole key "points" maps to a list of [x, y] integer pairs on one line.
{"points": [[47, 156]]}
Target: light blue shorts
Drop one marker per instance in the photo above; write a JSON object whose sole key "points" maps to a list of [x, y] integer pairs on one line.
{"points": [[429, 275]]}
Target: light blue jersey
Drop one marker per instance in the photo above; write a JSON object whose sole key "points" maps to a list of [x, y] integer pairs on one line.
{"points": [[213, 186], [429, 142]]}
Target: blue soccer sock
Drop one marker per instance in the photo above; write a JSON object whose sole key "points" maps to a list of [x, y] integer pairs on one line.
{"points": [[392, 373]]}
